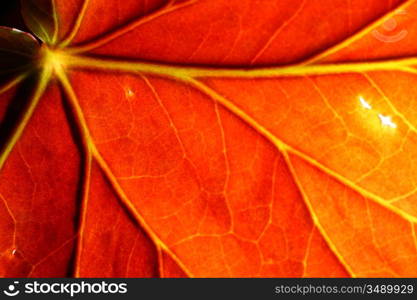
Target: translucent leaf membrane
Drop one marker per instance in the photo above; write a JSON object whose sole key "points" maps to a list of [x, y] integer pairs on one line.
{"points": [[239, 32], [38, 212], [76, 21], [41, 18], [112, 244], [237, 217], [324, 118], [390, 38], [169, 268], [138, 168], [375, 242], [87, 20]]}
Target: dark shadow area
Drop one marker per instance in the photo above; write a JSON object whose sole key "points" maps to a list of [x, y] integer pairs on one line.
{"points": [[10, 15], [16, 109], [77, 138]]}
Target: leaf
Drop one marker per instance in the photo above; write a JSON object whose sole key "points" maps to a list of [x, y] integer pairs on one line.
{"points": [[213, 139], [17, 51], [41, 18]]}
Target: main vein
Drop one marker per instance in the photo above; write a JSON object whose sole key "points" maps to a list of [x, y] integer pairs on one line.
{"points": [[183, 72]]}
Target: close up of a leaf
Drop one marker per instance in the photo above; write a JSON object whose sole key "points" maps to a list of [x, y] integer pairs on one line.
{"points": [[209, 138]]}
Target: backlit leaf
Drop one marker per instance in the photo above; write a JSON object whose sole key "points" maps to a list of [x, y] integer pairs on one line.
{"points": [[18, 51], [212, 138], [41, 18]]}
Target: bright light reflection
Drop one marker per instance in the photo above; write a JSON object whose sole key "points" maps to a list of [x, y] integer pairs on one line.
{"points": [[387, 121], [129, 93], [364, 103]]}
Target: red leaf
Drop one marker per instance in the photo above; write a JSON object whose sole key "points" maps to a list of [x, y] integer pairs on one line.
{"points": [[211, 139]]}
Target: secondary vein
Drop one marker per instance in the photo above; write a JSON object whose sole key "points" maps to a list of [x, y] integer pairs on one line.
{"points": [[96, 155], [45, 75], [284, 147]]}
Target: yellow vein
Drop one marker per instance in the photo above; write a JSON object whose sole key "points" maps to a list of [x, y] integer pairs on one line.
{"points": [[410, 125], [409, 69], [12, 83], [315, 218], [75, 29], [160, 262], [357, 36], [33, 267], [13, 218], [129, 27], [87, 165], [226, 163], [282, 146], [389, 102], [18, 131], [277, 32], [80, 119], [165, 111], [414, 236], [83, 211], [129, 258], [44, 31], [132, 209], [56, 23], [308, 248], [354, 186], [183, 72], [377, 245], [226, 264]]}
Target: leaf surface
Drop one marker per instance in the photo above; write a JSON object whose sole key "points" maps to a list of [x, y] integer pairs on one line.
{"points": [[17, 51], [213, 139]]}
